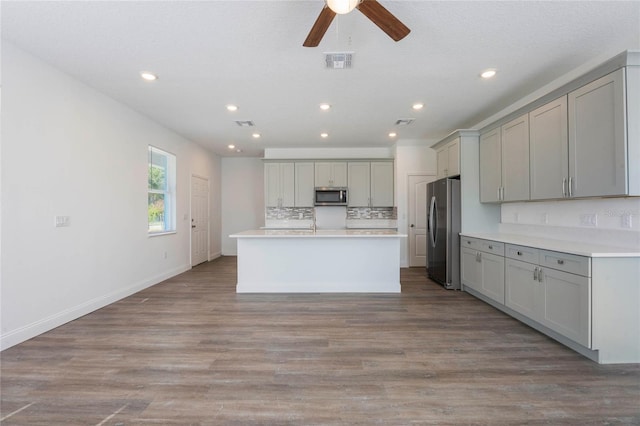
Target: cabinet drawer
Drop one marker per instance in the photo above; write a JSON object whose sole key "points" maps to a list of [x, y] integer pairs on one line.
{"points": [[471, 243], [566, 262], [523, 253], [491, 247]]}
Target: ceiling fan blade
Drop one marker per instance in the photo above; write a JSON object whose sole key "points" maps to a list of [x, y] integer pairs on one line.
{"points": [[320, 27], [383, 19]]}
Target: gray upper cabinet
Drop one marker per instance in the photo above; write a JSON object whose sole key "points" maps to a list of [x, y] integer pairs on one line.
{"points": [[515, 159], [330, 173], [549, 150], [304, 184], [370, 184], [504, 162], [490, 166], [359, 179], [597, 143], [581, 140], [448, 159], [381, 184], [279, 184]]}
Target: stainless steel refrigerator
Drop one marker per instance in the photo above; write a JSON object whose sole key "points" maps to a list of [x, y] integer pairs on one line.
{"points": [[443, 225]]}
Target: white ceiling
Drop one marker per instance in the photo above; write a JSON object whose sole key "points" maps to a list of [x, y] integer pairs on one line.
{"points": [[208, 54]]}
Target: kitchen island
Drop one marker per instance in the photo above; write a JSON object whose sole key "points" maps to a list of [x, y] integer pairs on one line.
{"points": [[321, 261]]}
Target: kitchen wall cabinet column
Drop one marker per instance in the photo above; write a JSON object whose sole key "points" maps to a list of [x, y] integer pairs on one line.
{"points": [[381, 184], [491, 166], [549, 150], [597, 140], [304, 184], [279, 184], [359, 183], [330, 173], [515, 159], [504, 162], [448, 159]]}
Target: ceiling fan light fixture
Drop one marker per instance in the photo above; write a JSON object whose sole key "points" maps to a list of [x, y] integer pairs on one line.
{"points": [[342, 7]]}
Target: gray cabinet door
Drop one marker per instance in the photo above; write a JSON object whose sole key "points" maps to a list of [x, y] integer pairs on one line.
{"points": [[490, 166], [549, 150], [597, 145], [304, 183], [567, 304], [492, 267], [359, 184], [515, 159], [381, 184], [470, 272], [522, 290]]}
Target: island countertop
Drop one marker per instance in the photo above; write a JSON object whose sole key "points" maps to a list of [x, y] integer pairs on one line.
{"points": [[319, 233]]}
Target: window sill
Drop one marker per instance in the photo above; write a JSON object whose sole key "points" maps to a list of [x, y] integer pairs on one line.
{"points": [[158, 234]]}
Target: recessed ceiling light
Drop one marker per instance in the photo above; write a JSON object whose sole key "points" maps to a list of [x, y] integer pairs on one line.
{"points": [[231, 146], [417, 106], [256, 135], [324, 135], [148, 76], [325, 107], [488, 73], [392, 135], [232, 107]]}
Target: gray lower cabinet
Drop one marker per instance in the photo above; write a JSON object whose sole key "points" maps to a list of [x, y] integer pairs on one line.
{"points": [[482, 267], [539, 286], [591, 304]]}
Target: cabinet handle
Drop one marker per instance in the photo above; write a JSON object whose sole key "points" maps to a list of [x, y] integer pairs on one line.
{"points": [[498, 193], [468, 242], [535, 274], [478, 257], [570, 185], [540, 275], [560, 262], [490, 247], [519, 253], [564, 187]]}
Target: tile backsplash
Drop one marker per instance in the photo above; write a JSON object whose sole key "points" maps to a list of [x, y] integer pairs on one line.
{"points": [[388, 213], [289, 213], [306, 213]]}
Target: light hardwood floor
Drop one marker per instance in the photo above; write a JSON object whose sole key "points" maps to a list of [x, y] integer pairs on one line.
{"points": [[191, 351]]}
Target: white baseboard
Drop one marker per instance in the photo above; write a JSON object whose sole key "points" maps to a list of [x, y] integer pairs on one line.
{"points": [[19, 335], [215, 255]]}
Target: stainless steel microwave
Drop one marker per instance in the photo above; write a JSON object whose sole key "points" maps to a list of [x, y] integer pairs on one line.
{"points": [[330, 196]]}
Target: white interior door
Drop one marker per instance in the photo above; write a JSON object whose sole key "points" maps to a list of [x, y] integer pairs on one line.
{"points": [[199, 220], [417, 194]]}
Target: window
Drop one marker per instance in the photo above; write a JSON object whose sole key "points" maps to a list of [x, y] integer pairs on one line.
{"points": [[162, 191]]}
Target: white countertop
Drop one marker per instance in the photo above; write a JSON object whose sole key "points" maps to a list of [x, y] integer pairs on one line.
{"points": [[571, 247], [324, 233]]}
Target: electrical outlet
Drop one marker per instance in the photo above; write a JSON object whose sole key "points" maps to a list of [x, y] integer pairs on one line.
{"points": [[626, 221], [63, 221], [590, 219]]}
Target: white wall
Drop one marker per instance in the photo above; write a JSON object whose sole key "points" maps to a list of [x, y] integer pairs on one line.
{"points": [[69, 150], [242, 199], [412, 157]]}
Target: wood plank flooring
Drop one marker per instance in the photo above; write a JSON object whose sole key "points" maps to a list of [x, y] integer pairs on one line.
{"points": [[191, 351]]}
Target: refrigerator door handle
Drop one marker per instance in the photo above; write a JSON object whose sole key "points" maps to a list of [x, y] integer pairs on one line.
{"points": [[432, 221]]}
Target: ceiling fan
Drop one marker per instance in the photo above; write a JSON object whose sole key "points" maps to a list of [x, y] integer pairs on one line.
{"points": [[370, 8]]}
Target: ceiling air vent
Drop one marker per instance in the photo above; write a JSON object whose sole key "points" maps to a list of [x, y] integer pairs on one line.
{"points": [[338, 60], [404, 121], [245, 123]]}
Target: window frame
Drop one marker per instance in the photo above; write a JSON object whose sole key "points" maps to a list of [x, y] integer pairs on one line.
{"points": [[168, 192]]}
